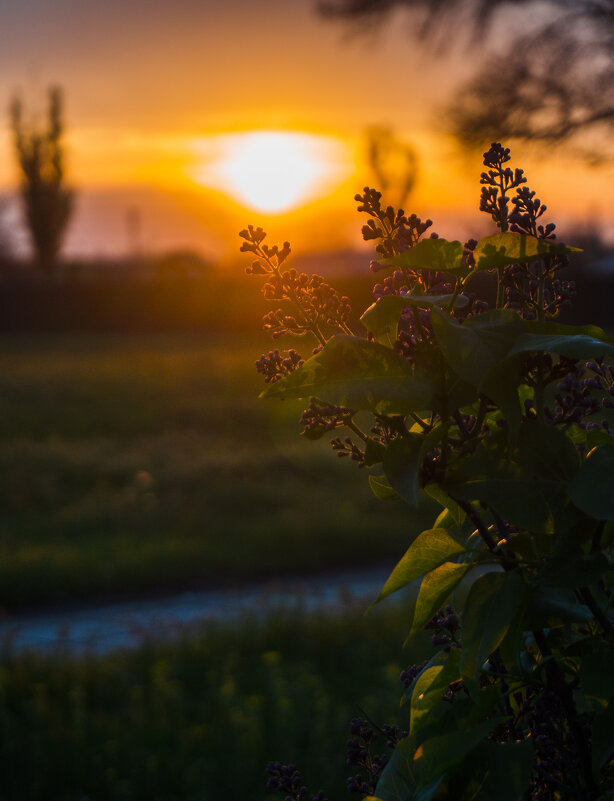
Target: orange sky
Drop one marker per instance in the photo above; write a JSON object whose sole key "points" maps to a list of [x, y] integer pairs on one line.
{"points": [[149, 85]]}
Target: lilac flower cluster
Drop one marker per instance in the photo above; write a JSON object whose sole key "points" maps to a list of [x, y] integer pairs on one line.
{"points": [[521, 282], [575, 400], [396, 231], [497, 182], [527, 210], [320, 417], [359, 753], [347, 447], [556, 760], [445, 626], [315, 298], [274, 366], [411, 673], [424, 281], [286, 779], [316, 306]]}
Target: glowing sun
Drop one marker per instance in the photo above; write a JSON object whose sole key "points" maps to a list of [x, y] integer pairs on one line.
{"points": [[270, 171]]}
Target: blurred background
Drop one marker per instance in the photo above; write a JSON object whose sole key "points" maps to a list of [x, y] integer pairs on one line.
{"points": [[138, 468]]}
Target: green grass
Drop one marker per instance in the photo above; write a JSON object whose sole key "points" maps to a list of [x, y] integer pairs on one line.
{"points": [[199, 719], [138, 463]]}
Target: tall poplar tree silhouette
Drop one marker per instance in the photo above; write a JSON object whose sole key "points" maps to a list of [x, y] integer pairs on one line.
{"points": [[47, 202]]}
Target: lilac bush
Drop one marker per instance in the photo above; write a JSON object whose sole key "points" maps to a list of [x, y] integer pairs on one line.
{"points": [[501, 415]]}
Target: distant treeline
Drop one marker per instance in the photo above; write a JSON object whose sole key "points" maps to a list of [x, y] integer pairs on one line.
{"points": [[141, 297], [120, 304], [209, 301]]}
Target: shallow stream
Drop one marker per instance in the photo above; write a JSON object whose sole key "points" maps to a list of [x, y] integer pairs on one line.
{"points": [[103, 628]]}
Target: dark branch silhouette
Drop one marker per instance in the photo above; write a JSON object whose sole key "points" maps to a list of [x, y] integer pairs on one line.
{"points": [[550, 81], [394, 164]]}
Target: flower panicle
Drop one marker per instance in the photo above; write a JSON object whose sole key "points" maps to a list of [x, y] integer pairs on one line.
{"points": [[396, 231], [524, 290], [317, 308]]}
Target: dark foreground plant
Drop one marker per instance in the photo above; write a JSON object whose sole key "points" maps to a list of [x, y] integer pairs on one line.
{"points": [[496, 414]]}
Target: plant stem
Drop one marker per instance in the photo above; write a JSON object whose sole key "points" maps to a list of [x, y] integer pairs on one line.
{"points": [[353, 427], [479, 524], [564, 694], [291, 295], [457, 289], [589, 599], [420, 422], [500, 289]]}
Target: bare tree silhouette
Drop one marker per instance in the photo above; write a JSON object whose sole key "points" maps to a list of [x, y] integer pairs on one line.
{"points": [[6, 243], [551, 82], [47, 202], [394, 164]]}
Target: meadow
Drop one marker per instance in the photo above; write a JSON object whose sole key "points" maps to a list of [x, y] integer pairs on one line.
{"points": [[200, 718], [139, 463], [142, 463]]}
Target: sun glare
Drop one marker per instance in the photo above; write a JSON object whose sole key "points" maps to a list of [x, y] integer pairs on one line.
{"points": [[271, 171]]}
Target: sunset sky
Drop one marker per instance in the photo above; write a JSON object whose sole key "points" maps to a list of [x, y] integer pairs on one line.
{"points": [[158, 93]]}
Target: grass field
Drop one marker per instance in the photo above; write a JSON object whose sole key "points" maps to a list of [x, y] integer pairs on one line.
{"points": [[144, 463], [139, 463], [199, 719]]}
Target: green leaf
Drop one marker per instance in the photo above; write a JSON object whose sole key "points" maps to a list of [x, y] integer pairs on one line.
{"points": [[431, 686], [374, 452], [357, 374], [381, 488], [398, 780], [594, 438], [553, 328], [418, 764], [434, 590], [499, 250], [494, 771], [438, 754], [382, 317], [437, 493], [501, 384], [550, 604], [476, 351], [430, 254], [511, 646], [592, 488], [519, 497], [429, 550], [493, 603], [575, 570], [596, 671], [575, 346], [528, 487], [546, 450], [402, 462], [461, 593], [477, 345], [444, 520], [607, 536], [603, 738]]}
